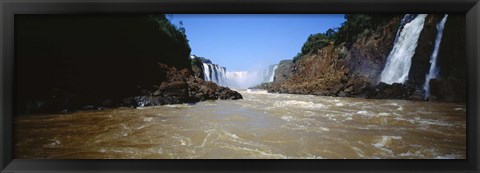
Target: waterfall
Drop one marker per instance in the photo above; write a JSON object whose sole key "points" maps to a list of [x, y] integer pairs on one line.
{"points": [[246, 79], [400, 58], [214, 73], [237, 79], [206, 72], [273, 73], [433, 72]]}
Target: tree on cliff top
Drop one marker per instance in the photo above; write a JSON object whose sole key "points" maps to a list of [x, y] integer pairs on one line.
{"points": [[315, 42], [177, 33]]}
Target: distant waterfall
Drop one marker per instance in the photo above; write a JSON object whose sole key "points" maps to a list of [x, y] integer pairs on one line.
{"points": [[237, 79], [433, 72], [400, 58], [273, 73], [214, 73], [246, 79]]}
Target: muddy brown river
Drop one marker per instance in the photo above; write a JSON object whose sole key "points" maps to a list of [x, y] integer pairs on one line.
{"points": [[262, 125]]}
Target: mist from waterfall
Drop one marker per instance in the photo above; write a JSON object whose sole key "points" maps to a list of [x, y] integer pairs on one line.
{"points": [[434, 71], [400, 58], [246, 79], [238, 79]]}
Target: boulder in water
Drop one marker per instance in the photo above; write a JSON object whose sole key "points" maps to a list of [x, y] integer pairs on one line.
{"points": [[390, 91], [446, 90]]}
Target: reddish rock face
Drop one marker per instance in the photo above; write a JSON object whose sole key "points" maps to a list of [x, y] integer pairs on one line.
{"points": [[354, 70]]}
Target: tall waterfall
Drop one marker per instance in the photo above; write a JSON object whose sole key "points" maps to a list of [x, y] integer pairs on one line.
{"points": [[433, 72], [400, 58], [214, 73], [273, 73]]}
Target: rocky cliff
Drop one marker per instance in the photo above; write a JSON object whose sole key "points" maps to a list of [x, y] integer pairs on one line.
{"points": [[70, 62], [284, 71], [352, 63]]}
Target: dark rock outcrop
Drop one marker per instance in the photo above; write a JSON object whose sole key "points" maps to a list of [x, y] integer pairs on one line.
{"points": [[447, 90], [69, 62], [182, 87], [197, 66], [284, 71], [393, 91]]}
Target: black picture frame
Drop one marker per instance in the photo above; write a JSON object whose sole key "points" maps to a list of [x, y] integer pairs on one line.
{"points": [[9, 8]]}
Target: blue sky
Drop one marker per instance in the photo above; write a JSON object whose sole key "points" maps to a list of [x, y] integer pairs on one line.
{"points": [[242, 42]]}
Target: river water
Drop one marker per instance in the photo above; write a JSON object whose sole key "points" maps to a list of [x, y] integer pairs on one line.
{"points": [[262, 125]]}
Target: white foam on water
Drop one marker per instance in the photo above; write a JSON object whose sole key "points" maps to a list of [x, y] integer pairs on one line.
{"points": [[177, 105], [410, 154], [391, 104], [148, 119], [124, 126], [383, 114], [231, 135], [209, 132], [299, 104], [183, 140], [448, 156], [256, 151], [403, 119], [287, 118], [364, 112], [257, 91], [359, 152], [53, 143], [310, 157], [384, 141], [141, 127], [325, 129], [400, 108], [433, 122]]}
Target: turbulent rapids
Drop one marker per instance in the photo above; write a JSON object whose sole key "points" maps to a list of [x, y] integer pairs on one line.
{"points": [[262, 125]]}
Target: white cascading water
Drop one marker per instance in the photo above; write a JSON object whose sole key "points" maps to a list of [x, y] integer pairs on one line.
{"points": [[273, 73], [206, 72], [214, 73], [433, 72], [400, 58], [237, 79]]}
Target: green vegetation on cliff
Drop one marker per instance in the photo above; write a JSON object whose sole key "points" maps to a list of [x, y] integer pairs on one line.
{"points": [[177, 33]]}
